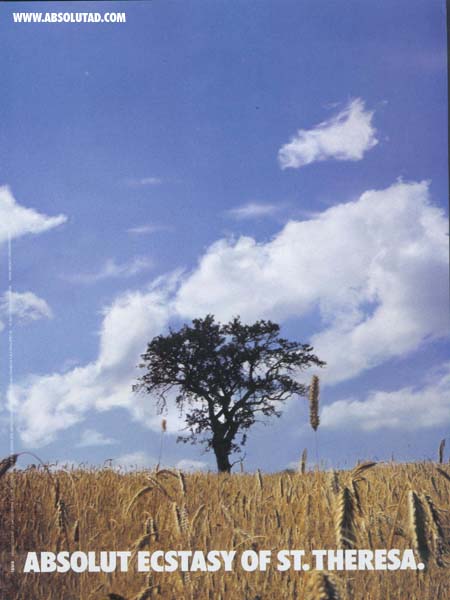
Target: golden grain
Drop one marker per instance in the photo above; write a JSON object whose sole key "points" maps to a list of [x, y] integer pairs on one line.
{"points": [[362, 508]]}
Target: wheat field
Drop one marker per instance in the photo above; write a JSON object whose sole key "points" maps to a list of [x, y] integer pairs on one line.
{"points": [[373, 506]]}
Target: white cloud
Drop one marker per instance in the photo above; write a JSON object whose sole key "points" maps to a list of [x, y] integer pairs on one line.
{"points": [[148, 229], [191, 465], [135, 460], [376, 269], [407, 409], [111, 270], [346, 136], [143, 181], [46, 405], [16, 220], [91, 437], [253, 210], [141, 460], [64, 465], [25, 306]]}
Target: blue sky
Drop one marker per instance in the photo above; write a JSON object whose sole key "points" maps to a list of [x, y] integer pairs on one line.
{"points": [[285, 160]]}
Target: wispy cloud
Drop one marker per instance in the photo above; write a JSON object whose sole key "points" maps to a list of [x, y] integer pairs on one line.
{"points": [[91, 437], [187, 464], [111, 270], [24, 307], [148, 229], [253, 210], [407, 409], [143, 181], [135, 460], [346, 136], [142, 460], [16, 220], [417, 59]]}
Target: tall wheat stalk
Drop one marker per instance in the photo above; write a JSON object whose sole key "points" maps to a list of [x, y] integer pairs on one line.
{"points": [[441, 451], [345, 520], [314, 403], [163, 431], [417, 525]]}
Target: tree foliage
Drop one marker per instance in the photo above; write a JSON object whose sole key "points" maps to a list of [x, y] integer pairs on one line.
{"points": [[224, 376]]}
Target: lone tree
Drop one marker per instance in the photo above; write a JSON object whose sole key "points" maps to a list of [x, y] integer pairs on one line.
{"points": [[223, 376]]}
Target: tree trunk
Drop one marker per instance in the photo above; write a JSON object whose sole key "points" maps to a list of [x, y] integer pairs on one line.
{"points": [[222, 452]]}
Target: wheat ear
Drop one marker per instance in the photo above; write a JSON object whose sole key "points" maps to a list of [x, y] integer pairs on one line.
{"points": [[321, 586], [345, 525], [7, 463], [314, 402], [417, 525], [441, 451], [303, 460]]}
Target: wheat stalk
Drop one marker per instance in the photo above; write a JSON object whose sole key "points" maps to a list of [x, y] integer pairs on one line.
{"points": [[151, 528], [145, 593], [163, 431], [165, 473], [345, 520], [259, 480], [443, 473], [356, 473], [159, 486], [334, 482], [62, 519], [196, 517], [437, 531], [303, 460], [321, 586], [138, 494], [181, 518], [417, 526], [184, 519], [441, 451], [314, 403], [76, 532], [7, 463], [182, 480], [143, 541]]}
